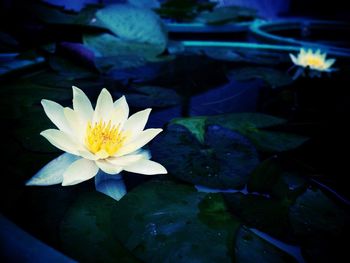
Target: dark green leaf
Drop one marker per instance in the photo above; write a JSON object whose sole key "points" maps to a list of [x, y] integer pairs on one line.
{"points": [[265, 214], [270, 141], [243, 121], [321, 226], [227, 14], [152, 97], [86, 231], [273, 77], [251, 249], [225, 160], [163, 221]]}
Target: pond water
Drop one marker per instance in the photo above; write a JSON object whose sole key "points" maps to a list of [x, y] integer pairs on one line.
{"points": [[256, 155]]}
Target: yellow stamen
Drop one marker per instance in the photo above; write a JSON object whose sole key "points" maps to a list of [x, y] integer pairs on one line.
{"points": [[102, 136]]}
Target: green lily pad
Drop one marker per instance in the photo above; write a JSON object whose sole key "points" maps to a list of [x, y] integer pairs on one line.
{"points": [[152, 97], [113, 52], [270, 141], [321, 225], [196, 125], [265, 214], [226, 14], [86, 231], [19, 96], [133, 24], [243, 121], [250, 248], [273, 77], [224, 160], [163, 221], [183, 10], [270, 177], [29, 129]]}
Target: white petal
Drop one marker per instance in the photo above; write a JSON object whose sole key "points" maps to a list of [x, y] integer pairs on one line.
{"points": [[55, 113], [146, 167], [82, 105], [129, 159], [294, 59], [136, 123], [79, 171], [61, 140], [75, 123], [104, 107], [52, 173], [108, 167], [87, 154], [329, 63], [111, 185], [121, 111], [141, 140]]}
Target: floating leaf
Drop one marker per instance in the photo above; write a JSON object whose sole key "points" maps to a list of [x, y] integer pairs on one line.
{"points": [[86, 231], [196, 125], [183, 9], [225, 160], [113, 52], [223, 15], [321, 226], [265, 214], [270, 141], [250, 248], [134, 24], [273, 77], [273, 178], [162, 221], [243, 121], [152, 97], [145, 3], [110, 185], [52, 173]]}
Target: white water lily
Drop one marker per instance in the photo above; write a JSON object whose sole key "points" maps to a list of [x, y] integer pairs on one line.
{"points": [[314, 60], [101, 139]]}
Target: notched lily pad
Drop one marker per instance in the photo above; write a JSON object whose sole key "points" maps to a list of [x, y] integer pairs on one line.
{"points": [[86, 231], [224, 160], [273, 77], [321, 225], [266, 214], [251, 249], [152, 97], [226, 14], [163, 221]]}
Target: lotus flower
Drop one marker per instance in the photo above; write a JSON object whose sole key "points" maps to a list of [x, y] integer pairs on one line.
{"points": [[101, 139], [314, 60]]}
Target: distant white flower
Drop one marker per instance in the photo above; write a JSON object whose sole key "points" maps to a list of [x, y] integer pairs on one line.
{"points": [[314, 60], [104, 138]]}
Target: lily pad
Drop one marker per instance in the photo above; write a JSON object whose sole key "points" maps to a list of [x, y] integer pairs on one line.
{"points": [[134, 24], [273, 77], [250, 248], [271, 141], [242, 121], [28, 132], [113, 52], [226, 14], [183, 9], [152, 97], [86, 231], [224, 160], [271, 177], [195, 124], [163, 221], [266, 214], [321, 226]]}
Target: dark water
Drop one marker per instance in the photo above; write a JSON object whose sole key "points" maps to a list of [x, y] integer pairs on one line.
{"points": [[272, 153]]}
